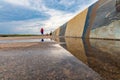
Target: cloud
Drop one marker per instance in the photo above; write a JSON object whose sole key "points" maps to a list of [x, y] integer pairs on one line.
{"points": [[10, 12], [28, 16], [66, 5], [18, 2], [21, 27]]}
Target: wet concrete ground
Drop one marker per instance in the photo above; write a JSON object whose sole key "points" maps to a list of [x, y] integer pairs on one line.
{"points": [[62, 59], [102, 56]]}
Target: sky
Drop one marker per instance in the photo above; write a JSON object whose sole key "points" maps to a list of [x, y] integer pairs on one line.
{"points": [[28, 16]]}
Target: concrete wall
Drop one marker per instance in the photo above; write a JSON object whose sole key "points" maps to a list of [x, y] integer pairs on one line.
{"points": [[111, 31], [100, 20], [63, 29], [90, 19], [107, 21], [56, 32], [75, 26]]}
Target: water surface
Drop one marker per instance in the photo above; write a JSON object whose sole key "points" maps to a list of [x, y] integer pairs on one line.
{"points": [[103, 56]]}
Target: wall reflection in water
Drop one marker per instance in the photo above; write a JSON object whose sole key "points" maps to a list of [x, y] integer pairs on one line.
{"points": [[103, 56]]}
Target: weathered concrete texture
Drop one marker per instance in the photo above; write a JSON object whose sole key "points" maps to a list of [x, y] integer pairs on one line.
{"points": [[75, 26], [105, 13], [90, 19], [101, 17], [107, 21], [111, 31]]}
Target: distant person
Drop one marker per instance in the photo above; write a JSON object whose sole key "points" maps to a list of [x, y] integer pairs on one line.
{"points": [[51, 33], [42, 31]]}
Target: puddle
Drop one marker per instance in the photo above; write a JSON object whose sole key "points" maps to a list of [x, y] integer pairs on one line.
{"points": [[92, 58], [103, 56], [26, 40]]}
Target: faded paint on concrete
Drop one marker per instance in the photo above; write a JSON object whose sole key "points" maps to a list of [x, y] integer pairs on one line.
{"points": [[75, 26], [90, 20], [107, 21], [111, 31], [105, 14]]}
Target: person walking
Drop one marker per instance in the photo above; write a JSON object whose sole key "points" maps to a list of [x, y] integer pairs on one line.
{"points": [[42, 31]]}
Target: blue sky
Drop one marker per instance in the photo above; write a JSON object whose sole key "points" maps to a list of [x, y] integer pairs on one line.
{"points": [[28, 16]]}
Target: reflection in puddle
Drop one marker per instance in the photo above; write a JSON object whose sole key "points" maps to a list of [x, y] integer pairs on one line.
{"points": [[26, 40], [103, 56], [42, 40]]}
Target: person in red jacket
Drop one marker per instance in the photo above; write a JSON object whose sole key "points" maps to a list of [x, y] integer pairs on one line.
{"points": [[42, 31]]}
